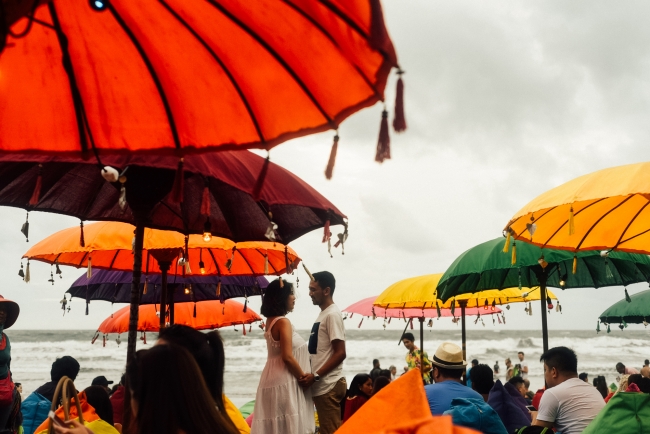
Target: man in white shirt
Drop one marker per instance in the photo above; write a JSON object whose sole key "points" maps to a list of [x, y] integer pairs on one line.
{"points": [[568, 404], [523, 372], [327, 349]]}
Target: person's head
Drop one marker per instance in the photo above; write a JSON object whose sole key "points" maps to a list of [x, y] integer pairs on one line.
{"points": [[9, 311], [530, 395], [384, 373], [646, 362], [447, 363], [361, 385], [375, 363], [620, 368], [527, 383], [99, 400], [474, 362], [393, 370], [409, 341], [584, 377], [103, 382], [207, 350], [519, 384], [65, 366], [601, 386], [642, 383], [560, 364], [508, 363], [520, 354], [622, 384], [279, 299], [19, 387], [380, 383], [169, 395], [321, 289], [482, 379]]}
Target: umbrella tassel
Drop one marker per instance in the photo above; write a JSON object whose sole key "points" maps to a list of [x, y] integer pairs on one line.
{"points": [[359, 326], [25, 228], [411, 323], [627, 296], [205, 201], [246, 305], [499, 318], [218, 293], [438, 309], [146, 281], [194, 313], [383, 143], [82, 240], [572, 228], [21, 272], [28, 275], [179, 183], [575, 264], [89, 272], [36, 194], [259, 184], [95, 337], [513, 261], [506, 246], [104, 341], [87, 306], [266, 264], [608, 270], [597, 326], [453, 307], [287, 264], [399, 121], [244, 329], [329, 169], [608, 329]]}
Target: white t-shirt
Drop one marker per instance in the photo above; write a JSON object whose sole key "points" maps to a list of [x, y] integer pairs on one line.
{"points": [[572, 405], [327, 328], [524, 365]]}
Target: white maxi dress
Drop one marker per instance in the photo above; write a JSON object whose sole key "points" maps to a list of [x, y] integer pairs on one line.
{"points": [[282, 406]]}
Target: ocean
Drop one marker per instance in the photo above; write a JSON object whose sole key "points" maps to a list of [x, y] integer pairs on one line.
{"points": [[33, 352]]}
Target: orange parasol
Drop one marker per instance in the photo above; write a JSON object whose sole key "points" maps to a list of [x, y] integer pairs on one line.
{"points": [[206, 315]]}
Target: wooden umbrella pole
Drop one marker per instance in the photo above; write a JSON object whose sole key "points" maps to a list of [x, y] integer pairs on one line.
{"points": [[463, 305], [422, 346], [542, 299], [135, 290], [164, 268]]}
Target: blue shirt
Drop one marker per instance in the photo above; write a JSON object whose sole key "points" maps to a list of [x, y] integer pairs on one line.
{"points": [[440, 395], [467, 379]]}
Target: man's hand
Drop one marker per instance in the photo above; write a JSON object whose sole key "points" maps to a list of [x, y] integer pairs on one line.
{"points": [[306, 380]]}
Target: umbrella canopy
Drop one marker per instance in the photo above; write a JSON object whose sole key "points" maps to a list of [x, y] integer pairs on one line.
{"points": [[211, 191], [607, 209], [365, 308], [421, 292], [191, 77], [115, 287], [108, 246], [486, 266], [636, 310], [206, 315]]}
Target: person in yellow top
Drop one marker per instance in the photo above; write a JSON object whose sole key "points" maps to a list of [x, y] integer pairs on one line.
{"points": [[207, 350], [415, 357]]}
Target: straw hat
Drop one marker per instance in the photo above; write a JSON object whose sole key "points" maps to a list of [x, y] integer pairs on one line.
{"points": [[449, 356], [12, 311]]}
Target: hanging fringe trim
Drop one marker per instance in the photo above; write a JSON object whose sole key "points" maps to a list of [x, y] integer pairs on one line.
{"points": [[287, 263], [572, 228], [327, 234], [627, 296], [329, 169], [36, 194], [399, 121], [361, 322], [179, 183], [266, 264], [87, 307], [259, 184], [218, 292], [383, 143], [89, 272], [82, 240], [514, 254], [438, 309], [411, 323], [25, 228], [506, 246], [205, 201], [575, 264], [246, 305], [243, 328], [28, 275], [194, 314]]}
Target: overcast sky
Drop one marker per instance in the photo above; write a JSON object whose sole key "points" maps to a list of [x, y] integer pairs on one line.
{"points": [[504, 100]]}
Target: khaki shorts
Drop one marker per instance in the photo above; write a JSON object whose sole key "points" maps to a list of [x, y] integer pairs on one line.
{"points": [[328, 407]]}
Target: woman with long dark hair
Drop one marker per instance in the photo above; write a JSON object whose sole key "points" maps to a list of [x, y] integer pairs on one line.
{"points": [[208, 352], [281, 405], [359, 392]]}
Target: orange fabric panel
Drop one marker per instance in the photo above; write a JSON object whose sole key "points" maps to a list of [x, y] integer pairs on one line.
{"points": [[428, 425], [108, 245], [87, 411], [210, 314]]}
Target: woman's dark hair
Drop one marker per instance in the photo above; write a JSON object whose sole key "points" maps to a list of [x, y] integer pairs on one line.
{"points": [[642, 383], [171, 395], [98, 398], [380, 383], [385, 373], [355, 386], [275, 298], [65, 366], [601, 385], [207, 350]]}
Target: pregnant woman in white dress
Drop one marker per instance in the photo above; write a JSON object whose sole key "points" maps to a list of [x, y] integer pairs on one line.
{"points": [[282, 406]]}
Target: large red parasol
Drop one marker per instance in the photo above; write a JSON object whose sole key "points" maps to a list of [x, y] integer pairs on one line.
{"points": [[123, 76]]}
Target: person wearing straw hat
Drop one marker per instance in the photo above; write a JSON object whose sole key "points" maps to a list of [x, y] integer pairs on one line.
{"points": [[448, 367], [9, 311]]}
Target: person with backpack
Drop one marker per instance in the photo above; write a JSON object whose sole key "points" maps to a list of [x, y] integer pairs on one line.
{"points": [[9, 312]]}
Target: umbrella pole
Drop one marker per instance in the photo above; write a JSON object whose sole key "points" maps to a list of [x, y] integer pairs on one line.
{"points": [[400, 336], [463, 305], [422, 346], [135, 289], [164, 268], [542, 300]]}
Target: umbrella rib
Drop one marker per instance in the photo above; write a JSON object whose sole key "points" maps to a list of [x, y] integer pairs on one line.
{"points": [[277, 57], [600, 219], [564, 224], [250, 267], [117, 252], [152, 72], [630, 224], [536, 220], [214, 261], [222, 65], [77, 101], [316, 24]]}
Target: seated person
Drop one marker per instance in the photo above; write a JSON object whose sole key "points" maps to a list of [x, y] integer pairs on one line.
{"points": [[65, 366], [568, 404], [481, 377], [448, 368]]}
